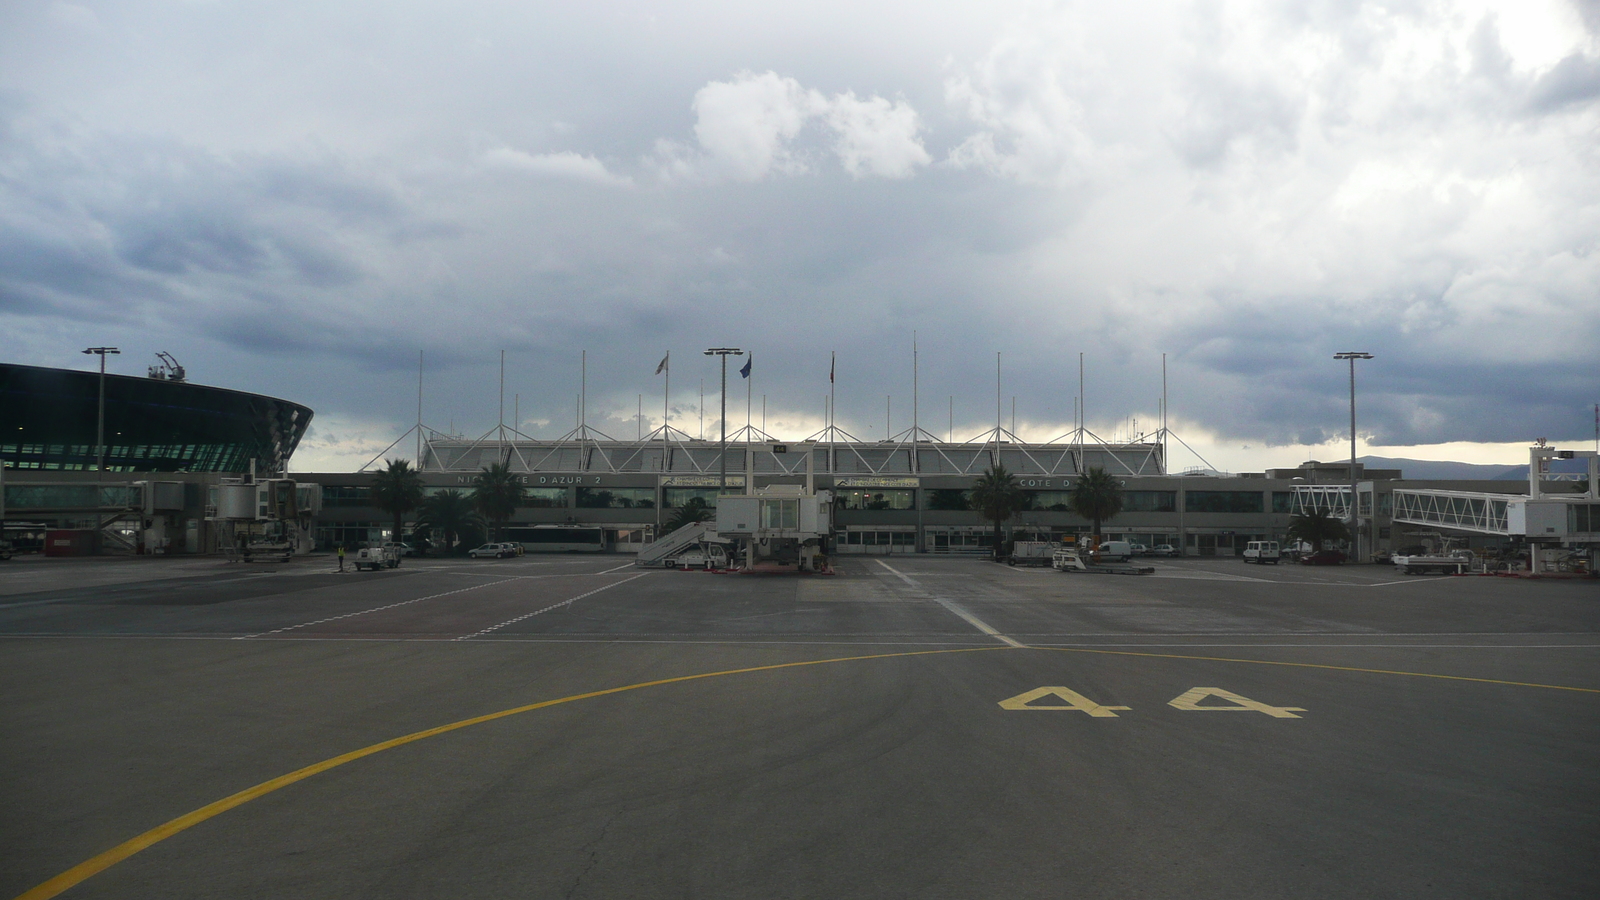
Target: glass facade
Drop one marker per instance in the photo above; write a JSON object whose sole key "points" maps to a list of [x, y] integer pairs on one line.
{"points": [[867, 498], [51, 418], [1222, 502], [616, 498], [1283, 501], [1150, 501], [949, 498], [673, 497]]}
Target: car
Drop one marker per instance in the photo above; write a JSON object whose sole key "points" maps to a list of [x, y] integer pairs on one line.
{"points": [[1140, 549], [495, 551], [1323, 558], [1163, 550], [5, 549]]}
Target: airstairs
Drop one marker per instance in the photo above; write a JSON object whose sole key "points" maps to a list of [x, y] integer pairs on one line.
{"points": [[656, 552]]}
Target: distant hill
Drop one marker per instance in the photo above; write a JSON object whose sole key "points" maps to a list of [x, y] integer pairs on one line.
{"points": [[1436, 470]]}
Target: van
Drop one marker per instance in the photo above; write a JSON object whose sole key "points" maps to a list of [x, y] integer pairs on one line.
{"points": [[1261, 552], [1118, 550]]}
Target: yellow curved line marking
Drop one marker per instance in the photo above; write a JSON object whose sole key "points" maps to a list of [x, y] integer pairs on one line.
{"points": [[1270, 662], [109, 858]]}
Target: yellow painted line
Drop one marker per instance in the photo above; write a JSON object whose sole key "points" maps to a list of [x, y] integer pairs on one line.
{"points": [[88, 868], [1272, 662]]}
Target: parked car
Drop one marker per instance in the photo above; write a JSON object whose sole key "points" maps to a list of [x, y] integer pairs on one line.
{"points": [[1140, 549], [5, 549], [1163, 550], [1323, 558], [495, 551]]}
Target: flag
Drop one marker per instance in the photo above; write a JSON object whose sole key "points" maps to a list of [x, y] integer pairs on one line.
{"points": [[663, 367], [830, 368], [745, 372]]}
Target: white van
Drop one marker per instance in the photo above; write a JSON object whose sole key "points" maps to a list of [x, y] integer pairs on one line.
{"points": [[1118, 550], [1261, 552]]}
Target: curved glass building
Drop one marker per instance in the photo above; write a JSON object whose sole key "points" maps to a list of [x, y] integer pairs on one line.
{"points": [[48, 419]]}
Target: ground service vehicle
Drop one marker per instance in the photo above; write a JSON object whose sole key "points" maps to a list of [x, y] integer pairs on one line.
{"points": [[1262, 552], [1032, 553], [376, 558], [1456, 562], [699, 556], [1122, 551]]}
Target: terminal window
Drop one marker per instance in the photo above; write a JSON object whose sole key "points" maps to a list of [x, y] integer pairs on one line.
{"points": [[1222, 502]]}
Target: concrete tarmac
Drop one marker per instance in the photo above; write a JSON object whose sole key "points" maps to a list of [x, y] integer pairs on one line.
{"points": [[911, 727]]}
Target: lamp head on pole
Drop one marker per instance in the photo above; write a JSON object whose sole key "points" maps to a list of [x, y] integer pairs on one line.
{"points": [[1353, 356], [724, 351], [102, 351]]}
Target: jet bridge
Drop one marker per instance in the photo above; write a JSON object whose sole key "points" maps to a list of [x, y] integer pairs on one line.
{"points": [[1560, 509], [782, 523]]}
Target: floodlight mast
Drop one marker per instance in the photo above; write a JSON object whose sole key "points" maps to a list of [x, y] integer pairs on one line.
{"points": [[724, 352], [1355, 499], [100, 421]]}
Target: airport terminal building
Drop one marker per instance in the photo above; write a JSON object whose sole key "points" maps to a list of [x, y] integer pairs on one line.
{"points": [[171, 445]]}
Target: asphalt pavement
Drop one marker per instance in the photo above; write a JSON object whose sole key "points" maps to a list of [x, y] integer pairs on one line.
{"points": [[572, 726]]}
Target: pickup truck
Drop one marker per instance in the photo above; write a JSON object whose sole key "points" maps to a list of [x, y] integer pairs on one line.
{"points": [[376, 558]]}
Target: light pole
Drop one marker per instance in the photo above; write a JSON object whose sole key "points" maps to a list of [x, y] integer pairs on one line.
{"points": [[1355, 499], [724, 352], [100, 421]]}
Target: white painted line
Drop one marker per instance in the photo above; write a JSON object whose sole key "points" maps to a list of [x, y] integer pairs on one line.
{"points": [[955, 608], [568, 602], [628, 565], [372, 610]]}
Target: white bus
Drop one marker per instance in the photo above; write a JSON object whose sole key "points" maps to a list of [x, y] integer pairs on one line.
{"points": [[558, 538]]}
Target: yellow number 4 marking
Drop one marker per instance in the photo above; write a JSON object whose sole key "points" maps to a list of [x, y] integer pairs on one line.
{"points": [[1190, 700], [1074, 700]]}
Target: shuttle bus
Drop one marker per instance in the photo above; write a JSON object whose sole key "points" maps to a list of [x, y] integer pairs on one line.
{"points": [[558, 538]]}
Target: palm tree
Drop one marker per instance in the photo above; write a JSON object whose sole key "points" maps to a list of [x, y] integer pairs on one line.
{"points": [[496, 493], [1317, 526], [397, 490], [450, 513], [693, 511], [1096, 496], [997, 495]]}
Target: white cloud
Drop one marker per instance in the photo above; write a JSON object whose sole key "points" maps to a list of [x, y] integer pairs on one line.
{"points": [[570, 165], [750, 127], [876, 137], [745, 125]]}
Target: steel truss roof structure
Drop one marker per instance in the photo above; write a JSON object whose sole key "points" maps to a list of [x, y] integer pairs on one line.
{"points": [[834, 452]]}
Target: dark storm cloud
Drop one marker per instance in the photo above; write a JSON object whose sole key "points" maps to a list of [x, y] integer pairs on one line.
{"points": [[1245, 188]]}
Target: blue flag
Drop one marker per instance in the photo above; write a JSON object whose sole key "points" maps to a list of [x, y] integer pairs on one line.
{"points": [[745, 372]]}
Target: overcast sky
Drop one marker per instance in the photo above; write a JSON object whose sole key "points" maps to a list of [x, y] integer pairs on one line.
{"points": [[297, 198]]}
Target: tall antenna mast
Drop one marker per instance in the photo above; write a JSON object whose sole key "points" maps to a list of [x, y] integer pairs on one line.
{"points": [[916, 425]]}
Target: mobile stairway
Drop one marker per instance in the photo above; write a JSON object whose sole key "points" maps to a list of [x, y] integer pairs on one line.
{"points": [[657, 552]]}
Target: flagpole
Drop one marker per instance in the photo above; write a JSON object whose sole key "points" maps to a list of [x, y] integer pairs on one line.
{"points": [[666, 412], [833, 359], [749, 384]]}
